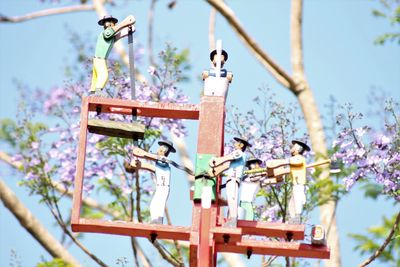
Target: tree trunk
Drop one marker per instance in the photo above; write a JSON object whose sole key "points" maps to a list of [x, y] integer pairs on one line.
{"points": [[33, 226]]}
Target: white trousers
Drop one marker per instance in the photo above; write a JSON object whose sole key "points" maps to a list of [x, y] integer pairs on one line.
{"points": [[232, 198], [297, 200], [159, 201]]}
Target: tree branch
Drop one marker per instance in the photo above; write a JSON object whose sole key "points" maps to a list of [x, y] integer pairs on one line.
{"points": [[46, 12], [279, 74], [150, 21], [33, 226], [296, 41], [388, 239], [211, 28]]}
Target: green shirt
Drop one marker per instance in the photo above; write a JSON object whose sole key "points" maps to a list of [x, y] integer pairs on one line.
{"points": [[105, 42]]}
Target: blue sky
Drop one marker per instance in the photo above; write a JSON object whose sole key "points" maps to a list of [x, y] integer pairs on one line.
{"points": [[340, 60]]}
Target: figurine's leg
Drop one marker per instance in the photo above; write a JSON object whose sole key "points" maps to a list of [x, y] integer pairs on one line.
{"points": [[94, 79], [158, 203], [232, 197], [300, 198], [102, 73], [246, 208], [292, 209], [241, 212], [296, 203]]}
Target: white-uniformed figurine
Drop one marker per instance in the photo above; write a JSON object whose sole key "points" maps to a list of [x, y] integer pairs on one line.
{"points": [[234, 174], [162, 171], [248, 190], [217, 79]]}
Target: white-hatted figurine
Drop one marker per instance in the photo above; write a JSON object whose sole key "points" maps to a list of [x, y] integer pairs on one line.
{"points": [[248, 190], [216, 80], [163, 176], [234, 173]]}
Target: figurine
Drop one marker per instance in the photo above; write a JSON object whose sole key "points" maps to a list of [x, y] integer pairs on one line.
{"points": [[296, 166], [163, 175], [217, 79], [112, 32], [237, 160], [249, 188]]}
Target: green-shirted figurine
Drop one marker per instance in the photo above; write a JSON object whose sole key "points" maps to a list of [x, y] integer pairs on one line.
{"points": [[112, 33]]}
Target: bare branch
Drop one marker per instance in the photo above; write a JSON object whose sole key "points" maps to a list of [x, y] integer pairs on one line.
{"points": [[177, 246], [150, 21], [143, 257], [33, 226], [46, 12], [296, 41], [279, 74], [211, 28], [388, 239]]}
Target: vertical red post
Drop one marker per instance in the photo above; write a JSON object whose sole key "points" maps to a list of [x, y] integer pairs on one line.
{"points": [[80, 166], [210, 141]]}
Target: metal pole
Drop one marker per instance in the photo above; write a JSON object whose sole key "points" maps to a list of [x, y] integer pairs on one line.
{"points": [[131, 63]]}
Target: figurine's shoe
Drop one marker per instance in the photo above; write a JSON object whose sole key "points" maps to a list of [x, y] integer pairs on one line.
{"points": [[92, 93], [159, 220], [295, 220], [101, 93]]}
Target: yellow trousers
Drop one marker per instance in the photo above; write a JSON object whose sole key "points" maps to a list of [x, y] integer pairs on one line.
{"points": [[99, 75]]}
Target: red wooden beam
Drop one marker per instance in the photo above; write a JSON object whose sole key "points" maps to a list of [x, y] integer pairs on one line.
{"points": [[295, 231], [287, 249], [132, 229], [146, 109], [80, 163]]}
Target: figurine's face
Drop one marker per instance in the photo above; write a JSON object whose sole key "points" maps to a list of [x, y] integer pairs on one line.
{"points": [[238, 145], [296, 150], [254, 165], [162, 150], [215, 60], [108, 24]]}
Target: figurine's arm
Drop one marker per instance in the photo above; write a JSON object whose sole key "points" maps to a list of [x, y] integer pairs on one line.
{"points": [[138, 152], [205, 74], [128, 21], [319, 163], [229, 76], [230, 157], [215, 171], [124, 32], [136, 164]]}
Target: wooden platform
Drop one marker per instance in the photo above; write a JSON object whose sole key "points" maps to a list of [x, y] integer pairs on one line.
{"points": [[288, 249], [148, 109], [132, 130], [132, 229]]}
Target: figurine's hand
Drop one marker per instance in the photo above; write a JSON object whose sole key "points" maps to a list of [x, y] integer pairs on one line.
{"points": [[213, 162], [204, 75], [229, 76], [162, 159]]}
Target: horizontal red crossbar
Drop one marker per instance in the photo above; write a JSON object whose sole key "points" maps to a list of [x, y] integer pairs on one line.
{"points": [[147, 109], [132, 229], [287, 249], [296, 231]]}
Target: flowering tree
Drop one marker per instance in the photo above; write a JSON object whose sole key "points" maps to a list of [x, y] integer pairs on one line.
{"points": [[45, 152]]}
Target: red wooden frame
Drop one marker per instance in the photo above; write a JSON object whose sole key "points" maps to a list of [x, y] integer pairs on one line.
{"points": [[206, 235]]}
